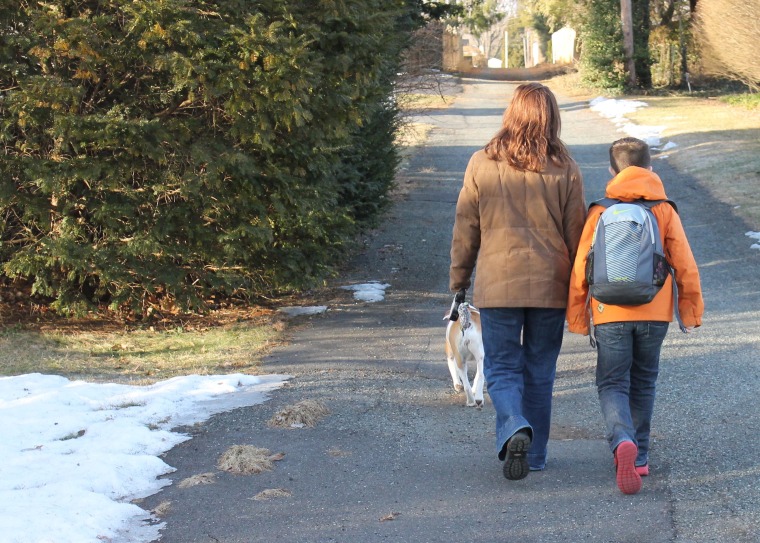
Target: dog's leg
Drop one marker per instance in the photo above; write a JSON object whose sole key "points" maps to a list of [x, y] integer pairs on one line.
{"points": [[451, 329], [464, 357], [480, 379], [459, 373], [462, 370], [453, 369]]}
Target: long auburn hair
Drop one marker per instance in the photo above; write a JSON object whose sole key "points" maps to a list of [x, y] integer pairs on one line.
{"points": [[529, 136]]}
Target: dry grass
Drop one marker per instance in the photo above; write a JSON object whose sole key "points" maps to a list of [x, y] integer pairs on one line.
{"points": [[718, 144], [247, 460], [162, 509], [304, 414], [728, 29], [718, 140], [138, 356], [571, 86], [270, 493], [200, 479], [424, 101], [105, 348], [411, 135]]}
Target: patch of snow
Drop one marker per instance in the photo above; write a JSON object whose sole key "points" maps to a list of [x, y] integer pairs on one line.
{"points": [[75, 454], [296, 311], [373, 291], [616, 111], [754, 235]]}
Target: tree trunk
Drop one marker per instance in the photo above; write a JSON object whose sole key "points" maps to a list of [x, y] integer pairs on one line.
{"points": [[626, 16], [642, 59]]}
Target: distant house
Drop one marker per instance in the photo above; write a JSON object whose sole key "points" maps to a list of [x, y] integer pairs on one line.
{"points": [[563, 45]]}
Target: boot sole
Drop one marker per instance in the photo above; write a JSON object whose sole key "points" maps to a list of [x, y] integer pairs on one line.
{"points": [[516, 465]]}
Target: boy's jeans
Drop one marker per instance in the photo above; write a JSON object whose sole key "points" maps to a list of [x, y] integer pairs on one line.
{"points": [[520, 373], [628, 360]]}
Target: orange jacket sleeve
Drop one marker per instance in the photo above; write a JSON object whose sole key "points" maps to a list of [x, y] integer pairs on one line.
{"points": [[679, 255]]}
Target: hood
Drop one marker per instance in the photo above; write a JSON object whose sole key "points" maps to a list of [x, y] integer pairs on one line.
{"points": [[634, 183]]}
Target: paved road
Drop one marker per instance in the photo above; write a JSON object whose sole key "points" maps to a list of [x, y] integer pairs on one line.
{"points": [[401, 459]]}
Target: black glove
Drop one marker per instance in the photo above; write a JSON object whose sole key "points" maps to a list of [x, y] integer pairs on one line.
{"points": [[458, 299], [460, 295]]}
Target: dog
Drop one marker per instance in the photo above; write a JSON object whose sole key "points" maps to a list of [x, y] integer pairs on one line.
{"points": [[464, 344]]}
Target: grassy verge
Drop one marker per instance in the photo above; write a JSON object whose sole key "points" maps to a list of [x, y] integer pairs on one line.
{"points": [[718, 143], [717, 139], [414, 130], [138, 356]]}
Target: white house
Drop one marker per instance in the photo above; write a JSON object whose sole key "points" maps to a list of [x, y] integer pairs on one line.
{"points": [[563, 45]]}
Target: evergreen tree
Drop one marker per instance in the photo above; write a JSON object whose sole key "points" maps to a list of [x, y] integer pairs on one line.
{"points": [[600, 35], [167, 149]]}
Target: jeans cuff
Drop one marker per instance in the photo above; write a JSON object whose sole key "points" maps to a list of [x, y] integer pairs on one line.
{"points": [[513, 425]]}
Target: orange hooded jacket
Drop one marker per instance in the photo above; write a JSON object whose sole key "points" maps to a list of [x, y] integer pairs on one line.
{"points": [[634, 183]]}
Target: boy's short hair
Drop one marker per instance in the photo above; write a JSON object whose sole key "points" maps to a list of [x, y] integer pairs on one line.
{"points": [[629, 152]]}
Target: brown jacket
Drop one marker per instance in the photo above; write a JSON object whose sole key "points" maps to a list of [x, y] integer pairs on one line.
{"points": [[521, 229], [635, 183]]}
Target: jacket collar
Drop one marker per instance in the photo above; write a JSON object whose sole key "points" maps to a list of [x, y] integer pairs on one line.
{"points": [[634, 183]]}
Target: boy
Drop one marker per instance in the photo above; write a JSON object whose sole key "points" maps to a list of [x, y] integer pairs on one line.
{"points": [[629, 337]]}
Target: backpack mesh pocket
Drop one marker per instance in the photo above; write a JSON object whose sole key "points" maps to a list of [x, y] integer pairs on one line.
{"points": [[623, 240]]}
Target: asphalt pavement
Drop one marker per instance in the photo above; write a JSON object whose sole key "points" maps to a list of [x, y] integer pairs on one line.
{"points": [[400, 457]]}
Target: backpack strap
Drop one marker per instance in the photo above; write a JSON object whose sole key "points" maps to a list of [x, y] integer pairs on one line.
{"points": [[604, 202], [607, 202], [651, 203]]}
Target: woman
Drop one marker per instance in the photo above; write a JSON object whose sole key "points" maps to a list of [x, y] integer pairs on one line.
{"points": [[519, 218]]}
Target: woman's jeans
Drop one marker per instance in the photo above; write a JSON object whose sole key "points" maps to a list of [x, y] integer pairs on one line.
{"points": [[521, 348], [628, 361]]}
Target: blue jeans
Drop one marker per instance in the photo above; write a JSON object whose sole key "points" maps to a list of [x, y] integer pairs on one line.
{"points": [[627, 364], [521, 348]]}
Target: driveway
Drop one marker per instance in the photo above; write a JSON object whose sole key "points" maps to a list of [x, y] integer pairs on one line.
{"points": [[400, 458]]}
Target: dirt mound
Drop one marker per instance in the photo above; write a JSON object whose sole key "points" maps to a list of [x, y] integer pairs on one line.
{"points": [[536, 73]]}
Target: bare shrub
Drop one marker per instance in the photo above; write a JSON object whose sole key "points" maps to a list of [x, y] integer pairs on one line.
{"points": [[304, 414], [421, 67], [729, 30]]}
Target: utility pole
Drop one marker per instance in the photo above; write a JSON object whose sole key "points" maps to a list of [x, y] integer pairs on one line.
{"points": [[626, 16]]}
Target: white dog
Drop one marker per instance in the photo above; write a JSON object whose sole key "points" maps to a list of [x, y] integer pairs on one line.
{"points": [[464, 343]]}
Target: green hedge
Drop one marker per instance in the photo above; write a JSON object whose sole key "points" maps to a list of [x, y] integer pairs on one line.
{"points": [[169, 149]]}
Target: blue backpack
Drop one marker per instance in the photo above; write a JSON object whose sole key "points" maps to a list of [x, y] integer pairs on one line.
{"points": [[626, 264]]}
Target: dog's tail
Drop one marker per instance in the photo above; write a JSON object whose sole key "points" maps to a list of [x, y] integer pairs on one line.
{"points": [[461, 312], [465, 316]]}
